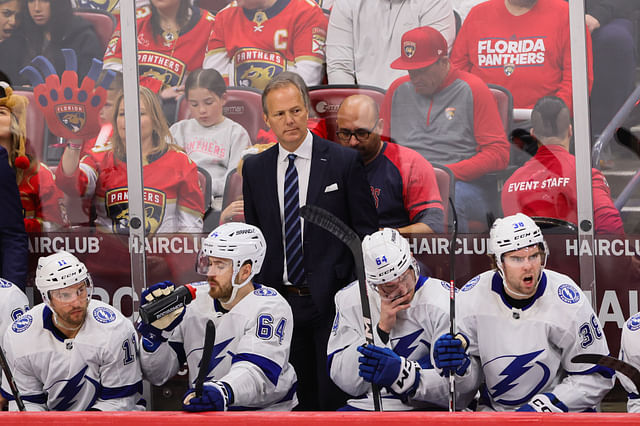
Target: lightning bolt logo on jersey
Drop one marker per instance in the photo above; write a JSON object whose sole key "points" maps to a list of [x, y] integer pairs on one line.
{"points": [[250, 353], [73, 390], [217, 356], [522, 377]]}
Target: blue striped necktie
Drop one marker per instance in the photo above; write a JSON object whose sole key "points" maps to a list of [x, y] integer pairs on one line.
{"points": [[292, 228]]}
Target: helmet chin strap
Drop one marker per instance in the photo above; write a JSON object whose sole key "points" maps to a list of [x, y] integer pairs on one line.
{"points": [[512, 291], [55, 319], [236, 287]]}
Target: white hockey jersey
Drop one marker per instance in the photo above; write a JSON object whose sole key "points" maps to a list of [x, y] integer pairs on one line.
{"points": [[416, 329], [98, 369], [526, 352], [251, 351], [630, 353], [13, 303]]}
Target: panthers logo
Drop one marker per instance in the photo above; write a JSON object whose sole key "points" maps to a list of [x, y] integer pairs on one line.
{"points": [[508, 69], [255, 67], [257, 77], [117, 206], [72, 116], [409, 49]]}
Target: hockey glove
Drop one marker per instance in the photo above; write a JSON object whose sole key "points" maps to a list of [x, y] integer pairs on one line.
{"points": [[543, 403], [382, 366], [154, 334], [71, 112], [449, 353], [216, 396]]}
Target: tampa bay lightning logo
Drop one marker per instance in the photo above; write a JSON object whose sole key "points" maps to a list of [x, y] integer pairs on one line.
{"points": [[4, 283], [568, 294], [471, 283], [217, 355], [633, 323], [263, 291], [22, 323], [104, 315], [515, 379]]}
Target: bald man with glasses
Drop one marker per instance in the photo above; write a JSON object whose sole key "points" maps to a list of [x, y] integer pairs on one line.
{"points": [[402, 182]]}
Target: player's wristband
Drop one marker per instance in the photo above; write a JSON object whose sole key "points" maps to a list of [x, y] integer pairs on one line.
{"points": [[74, 146]]}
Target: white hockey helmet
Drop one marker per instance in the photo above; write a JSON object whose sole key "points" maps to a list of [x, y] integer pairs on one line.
{"points": [[237, 241], [60, 270], [514, 233], [387, 256]]}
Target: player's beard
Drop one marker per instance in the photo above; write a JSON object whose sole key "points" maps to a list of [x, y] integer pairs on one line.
{"points": [[217, 291], [72, 319]]}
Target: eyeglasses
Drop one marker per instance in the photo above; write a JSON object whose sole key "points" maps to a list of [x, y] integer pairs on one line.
{"points": [[519, 261], [361, 134], [66, 295]]}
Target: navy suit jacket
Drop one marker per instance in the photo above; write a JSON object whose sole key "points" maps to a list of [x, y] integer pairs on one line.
{"points": [[14, 245], [328, 263]]}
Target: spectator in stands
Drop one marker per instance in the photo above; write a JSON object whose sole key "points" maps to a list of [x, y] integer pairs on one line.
{"points": [[254, 40], [172, 41], [403, 184], [41, 199], [211, 140], [13, 239], [522, 45], [614, 58], [233, 208], [9, 14], [48, 26], [309, 265], [173, 200], [363, 35], [546, 184], [450, 117]]}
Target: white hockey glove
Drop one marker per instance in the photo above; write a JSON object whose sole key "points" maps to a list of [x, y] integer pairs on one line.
{"points": [[544, 403], [382, 366], [216, 396]]}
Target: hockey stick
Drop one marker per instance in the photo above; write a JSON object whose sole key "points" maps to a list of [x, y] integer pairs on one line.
{"points": [[452, 300], [613, 363], [341, 231], [209, 341], [12, 383]]}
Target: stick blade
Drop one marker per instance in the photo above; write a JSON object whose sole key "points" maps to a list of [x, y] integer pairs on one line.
{"points": [[329, 222], [207, 350], [613, 363]]}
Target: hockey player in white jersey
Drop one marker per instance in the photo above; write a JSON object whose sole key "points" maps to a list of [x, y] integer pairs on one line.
{"points": [[630, 353], [410, 311], [249, 368], [522, 325], [13, 303], [72, 353]]}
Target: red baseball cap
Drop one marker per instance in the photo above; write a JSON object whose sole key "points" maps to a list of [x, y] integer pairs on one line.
{"points": [[421, 47]]}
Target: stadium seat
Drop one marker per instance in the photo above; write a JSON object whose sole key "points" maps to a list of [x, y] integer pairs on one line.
{"points": [[244, 106], [232, 191], [204, 180], [35, 124], [447, 187], [326, 99], [103, 23], [504, 100]]}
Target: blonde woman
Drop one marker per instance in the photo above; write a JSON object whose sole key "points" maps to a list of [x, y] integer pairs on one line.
{"points": [[173, 200]]}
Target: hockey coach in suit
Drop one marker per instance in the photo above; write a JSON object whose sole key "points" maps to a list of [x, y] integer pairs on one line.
{"points": [[304, 262]]}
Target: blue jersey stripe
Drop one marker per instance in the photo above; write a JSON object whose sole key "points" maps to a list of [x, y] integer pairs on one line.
{"points": [[120, 391], [268, 367]]}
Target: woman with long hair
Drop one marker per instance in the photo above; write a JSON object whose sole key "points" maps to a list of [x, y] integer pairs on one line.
{"points": [[41, 199], [173, 200], [48, 26]]}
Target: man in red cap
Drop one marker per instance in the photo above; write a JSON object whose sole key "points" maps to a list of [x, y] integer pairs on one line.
{"points": [[451, 118]]}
